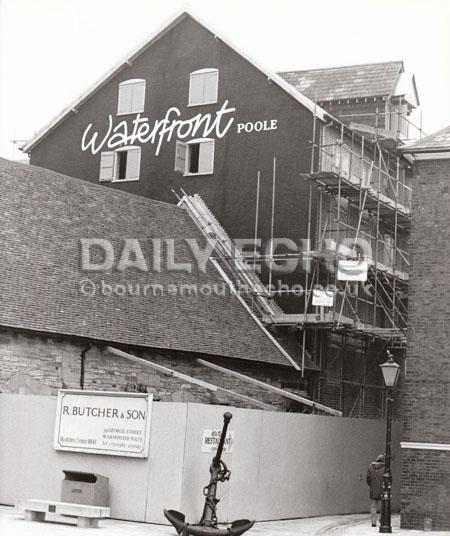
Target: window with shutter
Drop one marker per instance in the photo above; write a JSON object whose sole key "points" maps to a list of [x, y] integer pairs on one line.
{"points": [[133, 164], [206, 157], [195, 157], [107, 161], [203, 87], [180, 157], [131, 97], [121, 165], [128, 163]]}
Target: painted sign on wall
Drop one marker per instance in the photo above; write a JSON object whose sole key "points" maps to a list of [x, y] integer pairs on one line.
{"points": [[141, 131], [100, 422], [211, 438]]}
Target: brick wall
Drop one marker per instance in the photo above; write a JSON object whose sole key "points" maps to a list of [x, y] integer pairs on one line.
{"points": [[39, 364], [425, 488], [426, 390]]}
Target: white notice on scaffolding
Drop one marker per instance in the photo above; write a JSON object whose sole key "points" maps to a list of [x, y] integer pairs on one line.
{"points": [[211, 438], [352, 270], [323, 297]]}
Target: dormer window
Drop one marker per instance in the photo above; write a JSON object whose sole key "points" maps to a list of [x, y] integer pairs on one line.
{"points": [[131, 96], [203, 87]]}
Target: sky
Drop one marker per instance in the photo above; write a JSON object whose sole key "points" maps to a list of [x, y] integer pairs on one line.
{"points": [[51, 51]]}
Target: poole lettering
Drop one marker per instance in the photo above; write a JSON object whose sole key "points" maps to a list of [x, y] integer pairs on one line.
{"points": [[257, 126]]}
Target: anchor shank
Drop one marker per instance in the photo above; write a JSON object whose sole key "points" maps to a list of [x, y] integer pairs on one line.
{"points": [[226, 421], [219, 472]]}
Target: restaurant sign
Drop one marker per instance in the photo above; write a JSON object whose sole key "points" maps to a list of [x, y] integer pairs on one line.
{"points": [[100, 422]]}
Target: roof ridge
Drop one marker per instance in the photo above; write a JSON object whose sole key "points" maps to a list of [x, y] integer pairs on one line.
{"points": [[179, 15], [341, 66]]}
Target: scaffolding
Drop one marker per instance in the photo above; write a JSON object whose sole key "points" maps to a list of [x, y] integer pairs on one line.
{"points": [[390, 127], [363, 198], [359, 210]]}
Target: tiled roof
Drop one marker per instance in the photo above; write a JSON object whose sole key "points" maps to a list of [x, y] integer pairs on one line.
{"points": [[439, 141], [44, 215], [353, 81]]}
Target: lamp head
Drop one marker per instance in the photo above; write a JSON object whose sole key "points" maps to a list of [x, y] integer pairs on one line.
{"points": [[391, 371]]}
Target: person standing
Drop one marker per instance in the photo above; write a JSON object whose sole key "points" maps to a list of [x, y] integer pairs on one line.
{"points": [[374, 479]]}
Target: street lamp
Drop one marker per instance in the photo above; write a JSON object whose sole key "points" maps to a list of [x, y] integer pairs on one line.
{"points": [[391, 373]]}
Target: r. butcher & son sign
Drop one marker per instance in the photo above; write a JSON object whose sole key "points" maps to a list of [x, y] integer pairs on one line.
{"points": [[100, 422]]}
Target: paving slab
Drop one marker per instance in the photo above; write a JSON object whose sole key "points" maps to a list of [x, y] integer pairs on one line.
{"points": [[12, 523]]}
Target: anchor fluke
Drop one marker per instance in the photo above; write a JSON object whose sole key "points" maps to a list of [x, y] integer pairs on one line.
{"points": [[240, 526], [177, 519]]}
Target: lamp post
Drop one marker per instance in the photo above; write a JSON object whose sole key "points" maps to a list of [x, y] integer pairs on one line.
{"points": [[391, 373]]}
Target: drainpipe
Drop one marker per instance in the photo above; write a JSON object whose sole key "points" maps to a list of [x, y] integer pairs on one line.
{"points": [[82, 367]]}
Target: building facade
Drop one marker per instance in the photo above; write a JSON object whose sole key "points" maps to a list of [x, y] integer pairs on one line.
{"points": [[425, 393], [304, 189]]}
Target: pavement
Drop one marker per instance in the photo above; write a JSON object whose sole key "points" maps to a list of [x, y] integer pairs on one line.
{"points": [[13, 524]]}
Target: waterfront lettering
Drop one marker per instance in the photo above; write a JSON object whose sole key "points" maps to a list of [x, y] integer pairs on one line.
{"points": [[141, 131]]}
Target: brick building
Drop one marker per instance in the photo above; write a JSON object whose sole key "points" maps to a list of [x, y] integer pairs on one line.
{"points": [[426, 390], [270, 164]]}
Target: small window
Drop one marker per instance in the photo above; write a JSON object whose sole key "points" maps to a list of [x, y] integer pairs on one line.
{"points": [[367, 174], [203, 87], [342, 160], [195, 157], [121, 165], [388, 253], [131, 97]]}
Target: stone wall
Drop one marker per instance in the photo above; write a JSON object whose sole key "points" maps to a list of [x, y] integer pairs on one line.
{"points": [[40, 364]]}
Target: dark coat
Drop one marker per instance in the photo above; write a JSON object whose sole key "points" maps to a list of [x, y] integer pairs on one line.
{"points": [[374, 479]]}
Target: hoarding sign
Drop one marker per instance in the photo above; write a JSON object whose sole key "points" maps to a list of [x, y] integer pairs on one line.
{"points": [[352, 270], [211, 438], [323, 297], [100, 422]]}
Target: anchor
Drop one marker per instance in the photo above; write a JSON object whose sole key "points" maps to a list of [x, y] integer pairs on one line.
{"points": [[207, 526]]}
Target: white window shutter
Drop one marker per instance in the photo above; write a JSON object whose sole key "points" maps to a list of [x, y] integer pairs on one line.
{"points": [[196, 85], [206, 157], [133, 163], [180, 157], [138, 98], [211, 87], [107, 165], [125, 99]]}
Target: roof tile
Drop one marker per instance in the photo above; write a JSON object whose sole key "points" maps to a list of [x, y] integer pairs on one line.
{"points": [[353, 81], [42, 219], [439, 141]]}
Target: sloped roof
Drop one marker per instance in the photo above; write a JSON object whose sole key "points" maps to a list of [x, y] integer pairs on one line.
{"points": [[434, 143], [44, 215], [349, 82], [132, 55]]}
